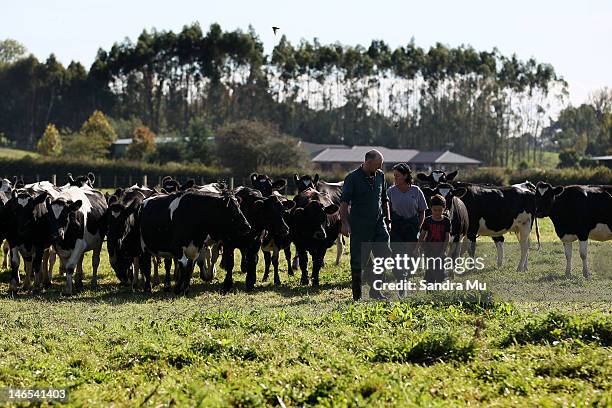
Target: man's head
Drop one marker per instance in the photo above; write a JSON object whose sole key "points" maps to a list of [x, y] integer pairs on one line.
{"points": [[438, 204], [373, 161]]}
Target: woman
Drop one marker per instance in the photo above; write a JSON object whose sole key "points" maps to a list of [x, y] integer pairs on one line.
{"points": [[407, 204]]}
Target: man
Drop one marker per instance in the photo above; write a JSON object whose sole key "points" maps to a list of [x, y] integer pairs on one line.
{"points": [[365, 190]]}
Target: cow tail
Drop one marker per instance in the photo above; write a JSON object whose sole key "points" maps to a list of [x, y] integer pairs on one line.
{"points": [[537, 232]]}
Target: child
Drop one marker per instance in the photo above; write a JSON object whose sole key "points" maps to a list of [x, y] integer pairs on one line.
{"points": [[435, 233]]}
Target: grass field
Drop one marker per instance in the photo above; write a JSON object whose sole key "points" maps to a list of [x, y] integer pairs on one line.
{"points": [[297, 346], [16, 153]]}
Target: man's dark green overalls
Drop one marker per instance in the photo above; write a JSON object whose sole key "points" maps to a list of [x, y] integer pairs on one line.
{"points": [[366, 197]]}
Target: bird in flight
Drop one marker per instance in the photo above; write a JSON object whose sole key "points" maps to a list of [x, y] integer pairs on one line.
{"points": [[275, 29]]}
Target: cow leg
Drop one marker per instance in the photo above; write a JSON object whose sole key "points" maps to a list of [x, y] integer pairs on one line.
{"points": [[143, 263], [36, 267], [27, 266], [203, 262], [290, 267], [303, 259], [15, 261], [155, 263], [274, 257], [471, 245], [135, 274], [583, 256], [167, 267], [79, 273], [185, 266], [339, 249], [317, 264], [6, 250], [499, 246], [228, 264], [50, 263], [75, 256], [296, 261], [267, 263], [95, 263], [568, 258], [249, 255], [523, 236]]}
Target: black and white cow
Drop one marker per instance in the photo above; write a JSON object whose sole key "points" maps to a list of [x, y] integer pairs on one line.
{"points": [[177, 225], [271, 244], [333, 190], [123, 240], [82, 181], [6, 193], [495, 211], [315, 226], [432, 179], [457, 212], [265, 215], [578, 213], [77, 221], [25, 222]]}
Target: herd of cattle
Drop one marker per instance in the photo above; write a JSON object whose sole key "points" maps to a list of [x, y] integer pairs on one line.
{"points": [[191, 224]]}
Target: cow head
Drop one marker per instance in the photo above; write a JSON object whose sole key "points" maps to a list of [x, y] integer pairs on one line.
{"points": [[306, 181], [232, 212], [6, 186], [545, 197], [445, 190], [82, 181], [121, 221], [170, 185], [28, 208], [311, 219], [435, 177], [265, 185], [63, 214], [272, 213]]}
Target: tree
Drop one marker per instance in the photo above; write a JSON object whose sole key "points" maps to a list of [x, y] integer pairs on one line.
{"points": [[196, 141], [50, 144], [11, 51], [99, 132], [244, 146], [143, 144]]}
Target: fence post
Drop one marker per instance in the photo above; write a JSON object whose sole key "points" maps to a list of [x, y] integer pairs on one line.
{"points": [[115, 181], [159, 180], [231, 183], [54, 179], [144, 180], [130, 181], [100, 185]]}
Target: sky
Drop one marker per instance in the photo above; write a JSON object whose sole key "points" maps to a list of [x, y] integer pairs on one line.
{"points": [[574, 36]]}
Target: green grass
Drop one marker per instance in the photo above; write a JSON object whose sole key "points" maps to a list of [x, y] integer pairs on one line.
{"points": [[10, 153], [549, 161], [311, 347]]}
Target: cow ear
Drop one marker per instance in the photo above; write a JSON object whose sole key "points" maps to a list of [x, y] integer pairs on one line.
{"points": [[188, 184], [289, 204], [298, 211], [70, 179], [296, 178], [422, 177], [75, 206], [111, 200], [331, 209], [451, 176], [253, 178], [41, 198], [279, 184], [558, 190], [459, 192], [258, 205], [315, 180], [91, 177], [163, 191]]}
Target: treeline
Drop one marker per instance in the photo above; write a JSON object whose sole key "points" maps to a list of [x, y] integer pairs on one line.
{"points": [[479, 103]]}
